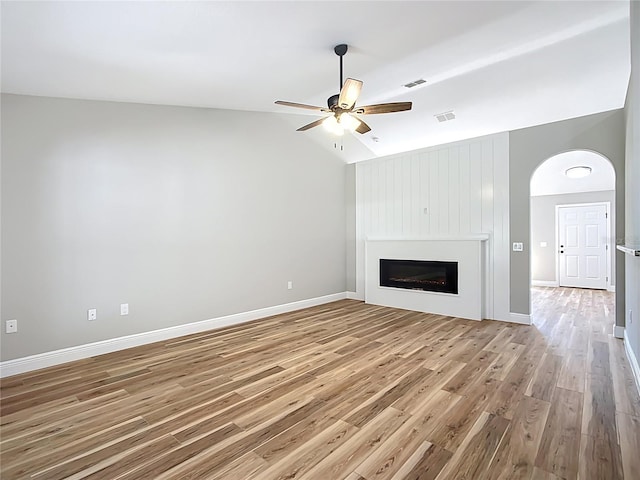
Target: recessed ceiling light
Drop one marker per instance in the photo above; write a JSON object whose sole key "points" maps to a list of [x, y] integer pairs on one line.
{"points": [[578, 172]]}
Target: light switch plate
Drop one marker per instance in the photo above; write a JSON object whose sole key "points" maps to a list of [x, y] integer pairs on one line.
{"points": [[518, 247]]}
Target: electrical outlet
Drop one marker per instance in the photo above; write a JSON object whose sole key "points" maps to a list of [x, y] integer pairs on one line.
{"points": [[124, 309], [92, 314], [289, 285], [518, 247], [11, 326]]}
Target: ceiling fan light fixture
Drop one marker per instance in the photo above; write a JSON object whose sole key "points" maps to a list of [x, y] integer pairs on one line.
{"points": [[349, 122], [332, 125], [578, 172]]}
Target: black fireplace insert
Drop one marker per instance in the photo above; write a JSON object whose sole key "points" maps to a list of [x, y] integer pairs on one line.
{"points": [[429, 276]]}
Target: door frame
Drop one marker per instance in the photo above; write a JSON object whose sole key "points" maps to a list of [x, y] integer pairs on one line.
{"points": [[608, 244]]}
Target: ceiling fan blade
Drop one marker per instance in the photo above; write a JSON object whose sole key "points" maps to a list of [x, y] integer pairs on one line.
{"points": [[310, 125], [349, 93], [302, 105], [383, 108], [363, 127]]}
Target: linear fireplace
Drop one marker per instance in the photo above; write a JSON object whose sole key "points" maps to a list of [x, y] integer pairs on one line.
{"points": [[468, 253], [429, 276]]}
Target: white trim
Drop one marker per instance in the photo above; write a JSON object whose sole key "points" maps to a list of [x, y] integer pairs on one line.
{"points": [[49, 359], [554, 284], [450, 238], [544, 283], [633, 251], [354, 296], [521, 318], [635, 368], [618, 331]]}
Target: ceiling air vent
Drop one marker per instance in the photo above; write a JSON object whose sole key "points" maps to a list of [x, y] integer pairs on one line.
{"points": [[415, 83], [445, 116]]}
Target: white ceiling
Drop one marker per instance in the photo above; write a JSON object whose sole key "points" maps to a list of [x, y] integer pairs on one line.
{"points": [[499, 65], [550, 179]]}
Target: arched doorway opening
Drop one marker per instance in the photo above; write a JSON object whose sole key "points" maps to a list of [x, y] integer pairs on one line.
{"points": [[553, 189], [572, 226]]}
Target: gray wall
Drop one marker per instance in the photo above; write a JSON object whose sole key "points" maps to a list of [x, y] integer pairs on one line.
{"points": [[543, 229], [529, 147], [632, 218], [186, 214], [350, 197]]}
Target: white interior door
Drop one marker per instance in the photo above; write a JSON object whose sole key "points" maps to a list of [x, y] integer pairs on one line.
{"points": [[582, 242]]}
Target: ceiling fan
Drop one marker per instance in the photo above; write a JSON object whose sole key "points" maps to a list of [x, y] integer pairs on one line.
{"points": [[343, 106]]}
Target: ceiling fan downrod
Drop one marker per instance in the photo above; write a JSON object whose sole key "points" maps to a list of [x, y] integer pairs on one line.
{"points": [[340, 51]]}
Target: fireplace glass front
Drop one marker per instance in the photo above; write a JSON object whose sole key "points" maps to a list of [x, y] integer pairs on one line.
{"points": [[429, 276]]}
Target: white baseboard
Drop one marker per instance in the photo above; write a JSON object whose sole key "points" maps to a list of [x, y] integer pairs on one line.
{"points": [[618, 332], [635, 368], [522, 318], [354, 296], [49, 359], [544, 283], [548, 283]]}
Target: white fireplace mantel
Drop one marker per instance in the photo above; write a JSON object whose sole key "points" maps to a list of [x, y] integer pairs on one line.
{"points": [[480, 237], [469, 251]]}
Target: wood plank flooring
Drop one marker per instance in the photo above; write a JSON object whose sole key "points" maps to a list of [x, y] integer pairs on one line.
{"points": [[341, 391]]}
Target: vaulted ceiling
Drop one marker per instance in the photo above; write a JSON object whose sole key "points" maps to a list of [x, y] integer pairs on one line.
{"points": [[497, 65]]}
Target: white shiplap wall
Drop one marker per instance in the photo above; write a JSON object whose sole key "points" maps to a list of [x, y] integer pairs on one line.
{"points": [[446, 191]]}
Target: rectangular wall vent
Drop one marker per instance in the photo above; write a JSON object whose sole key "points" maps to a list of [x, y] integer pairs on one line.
{"points": [[445, 116], [415, 83]]}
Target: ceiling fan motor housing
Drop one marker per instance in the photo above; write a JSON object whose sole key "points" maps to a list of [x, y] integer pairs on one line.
{"points": [[332, 101]]}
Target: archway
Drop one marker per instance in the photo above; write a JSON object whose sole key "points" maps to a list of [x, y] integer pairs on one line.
{"points": [[552, 187], [557, 195]]}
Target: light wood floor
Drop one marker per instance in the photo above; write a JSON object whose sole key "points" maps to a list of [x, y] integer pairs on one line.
{"points": [[342, 391]]}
